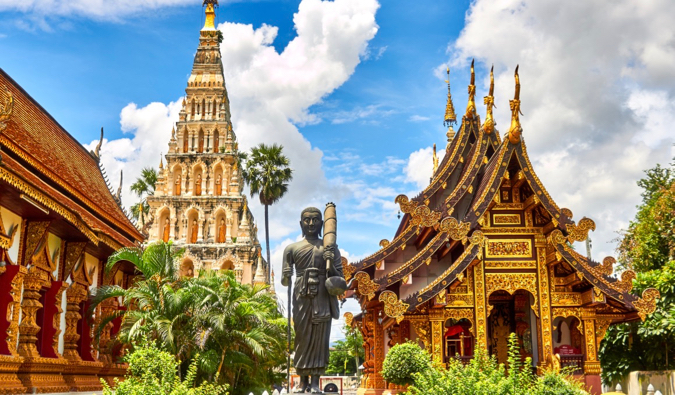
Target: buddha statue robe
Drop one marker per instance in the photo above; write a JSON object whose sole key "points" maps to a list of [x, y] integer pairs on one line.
{"points": [[194, 232], [222, 230], [165, 236], [219, 185], [198, 185]]}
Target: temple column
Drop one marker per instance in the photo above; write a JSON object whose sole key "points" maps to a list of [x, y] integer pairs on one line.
{"points": [[11, 281], [379, 354], [546, 344], [591, 364], [436, 317], [480, 304]]}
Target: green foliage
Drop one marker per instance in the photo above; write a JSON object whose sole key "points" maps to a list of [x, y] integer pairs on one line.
{"points": [[403, 361], [143, 187], [483, 375], [344, 359], [230, 332], [154, 372], [648, 247]]}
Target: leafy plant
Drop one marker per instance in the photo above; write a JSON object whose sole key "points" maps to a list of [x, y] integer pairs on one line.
{"points": [[154, 372], [344, 358], [143, 187], [403, 361], [483, 375]]}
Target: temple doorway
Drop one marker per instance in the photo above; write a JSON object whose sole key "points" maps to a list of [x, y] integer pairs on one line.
{"points": [[458, 340], [512, 314]]}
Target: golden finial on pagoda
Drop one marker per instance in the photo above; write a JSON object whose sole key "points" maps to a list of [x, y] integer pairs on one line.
{"points": [[161, 162], [435, 160], [515, 130], [450, 116], [209, 23], [471, 105], [489, 101]]}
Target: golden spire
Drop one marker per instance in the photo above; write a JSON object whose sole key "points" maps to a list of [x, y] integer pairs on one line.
{"points": [[515, 130], [471, 105], [209, 23], [435, 160], [489, 101], [450, 116], [161, 162]]}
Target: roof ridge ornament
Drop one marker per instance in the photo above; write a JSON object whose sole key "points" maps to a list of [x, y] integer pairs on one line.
{"points": [[450, 116], [515, 130], [489, 101], [471, 105], [209, 23], [6, 110]]}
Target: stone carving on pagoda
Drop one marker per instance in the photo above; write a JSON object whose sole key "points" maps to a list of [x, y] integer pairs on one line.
{"points": [[198, 202], [484, 250]]}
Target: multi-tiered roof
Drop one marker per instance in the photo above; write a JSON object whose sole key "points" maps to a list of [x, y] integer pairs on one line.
{"points": [[443, 223]]}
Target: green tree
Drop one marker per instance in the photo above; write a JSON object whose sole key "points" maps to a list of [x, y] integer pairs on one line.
{"points": [[267, 174], [403, 361], [233, 333], [346, 354], [143, 187], [647, 247]]}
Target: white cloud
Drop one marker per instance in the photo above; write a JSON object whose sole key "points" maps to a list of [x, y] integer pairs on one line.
{"points": [[418, 118], [597, 91], [371, 112], [420, 166], [269, 91], [95, 9]]}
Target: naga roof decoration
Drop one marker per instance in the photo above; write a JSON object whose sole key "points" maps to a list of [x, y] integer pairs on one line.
{"points": [[451, 212]]}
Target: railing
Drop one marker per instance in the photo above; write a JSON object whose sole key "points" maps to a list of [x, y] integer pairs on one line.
{"points": [[573, 362]]}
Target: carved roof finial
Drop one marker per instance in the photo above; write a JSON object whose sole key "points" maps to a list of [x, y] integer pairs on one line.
{"points": [[161, 162], [471, 105], [515, 130], [118, 196], [450, 116], [97, 150], [435, 160], [489, 101]]}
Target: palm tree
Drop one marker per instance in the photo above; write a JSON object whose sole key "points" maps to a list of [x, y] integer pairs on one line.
{"points": [[143, 187], [267, 173]]}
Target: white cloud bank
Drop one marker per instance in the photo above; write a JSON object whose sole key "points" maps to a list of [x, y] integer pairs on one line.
{"points": [[95, 9], [598, 83]]}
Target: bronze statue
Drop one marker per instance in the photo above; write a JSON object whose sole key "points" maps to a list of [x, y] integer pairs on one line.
{"points": [[314, 300]]}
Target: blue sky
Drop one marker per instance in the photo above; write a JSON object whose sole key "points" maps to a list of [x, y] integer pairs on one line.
{"points": [[354, 90]]}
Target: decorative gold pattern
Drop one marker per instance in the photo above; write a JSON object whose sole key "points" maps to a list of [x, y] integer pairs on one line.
{"points": [[508, 248], [450, 116], [407, 206], [566, 299], [6, 110], [481, 320], [601, 327], [455, 230], [367, 287], [458, 314], [647, 304], [437, 340], [423, 215], [471, 105], [423, 329], [545, 304], [74, 251], [489, 101], [347, 269], [626, 283], [580, 232], [511, 282], [506, 219], [459, 299], [607, 267], [384, 243], [511, 264], [349, 318], [393, 307]]}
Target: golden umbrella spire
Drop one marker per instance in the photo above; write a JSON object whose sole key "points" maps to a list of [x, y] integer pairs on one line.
{"points": [[450, 116], [471, 105], [209, 23], [515, 130], [489, 101]]}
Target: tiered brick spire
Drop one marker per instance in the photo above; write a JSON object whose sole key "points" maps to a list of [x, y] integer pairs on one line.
{"points": [[198, 201]]}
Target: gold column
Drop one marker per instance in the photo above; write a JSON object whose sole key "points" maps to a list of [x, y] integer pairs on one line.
{"points": [[480, 305], [28, 329], [76, 294], [591, 365], [379, 355], [544, 304], [437, 319], [15, 308]]}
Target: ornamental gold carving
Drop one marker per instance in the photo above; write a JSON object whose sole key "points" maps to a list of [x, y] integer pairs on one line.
{"points": [[566, 299], [459, 299], [6, 109], [545, 303], [580, 232], [407, 206], [607, 266], [367, 287], [458, 314], [424, 216], [511, 264], [349, 318], [511, 282], [393, 307], [74, 251], [347, 269], [626, 283], [508, 248], [423, 330], [455, 230], [506, 219], [14, 310], [601, 327], [647, 304], [384, 243], [479, 290], [35, 233]]}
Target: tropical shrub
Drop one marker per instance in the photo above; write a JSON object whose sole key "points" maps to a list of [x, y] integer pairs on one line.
{"points": [[403, 361], [483, 375], [155, 372]]}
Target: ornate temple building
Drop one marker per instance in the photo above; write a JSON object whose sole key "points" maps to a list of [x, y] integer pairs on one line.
{"points": [[198, 201], [484, 251], [59, 224]]}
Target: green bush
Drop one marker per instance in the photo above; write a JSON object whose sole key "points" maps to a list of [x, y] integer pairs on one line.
{"points": [[403, 361], [155, 372], [483, 375]]}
